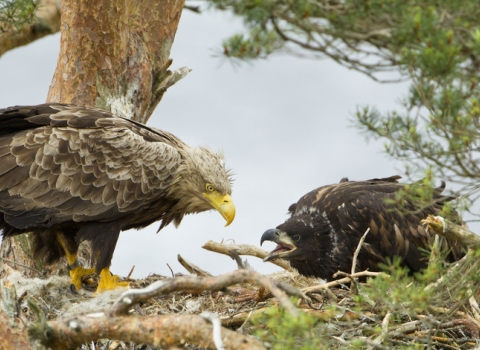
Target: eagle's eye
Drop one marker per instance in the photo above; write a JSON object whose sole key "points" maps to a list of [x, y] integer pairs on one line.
{"points": [[210, 188], [296, 237]]}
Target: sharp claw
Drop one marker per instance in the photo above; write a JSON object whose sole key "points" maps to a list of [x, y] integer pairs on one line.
{"points": [[73, 289]]}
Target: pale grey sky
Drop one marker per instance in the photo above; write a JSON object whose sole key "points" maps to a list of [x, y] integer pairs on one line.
{"points": [[283, 124]]}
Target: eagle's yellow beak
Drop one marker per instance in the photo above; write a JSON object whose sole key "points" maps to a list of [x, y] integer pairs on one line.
{"points": [[224, 205]]}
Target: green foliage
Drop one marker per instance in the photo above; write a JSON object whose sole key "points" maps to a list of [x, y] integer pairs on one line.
{"points": [[15, 13], [428, 301], [435, 43], [283, 331]]}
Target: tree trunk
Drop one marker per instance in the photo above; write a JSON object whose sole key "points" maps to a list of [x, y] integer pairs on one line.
{"points": [[115, 56]]}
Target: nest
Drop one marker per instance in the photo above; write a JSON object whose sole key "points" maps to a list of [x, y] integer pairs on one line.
{"points": [[183, 311]]}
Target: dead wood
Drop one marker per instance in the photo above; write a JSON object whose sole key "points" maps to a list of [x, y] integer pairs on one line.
{"points": [[135, 296], [161, 331], [244, 249], [320, 287], [448, 229], [192, 268]]}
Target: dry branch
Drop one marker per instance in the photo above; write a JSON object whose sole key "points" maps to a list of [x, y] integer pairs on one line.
{"points": [[320, 287], [192, 268], [244, 249], [453, 231], [357, 251], [134, 296], [161, 331]]}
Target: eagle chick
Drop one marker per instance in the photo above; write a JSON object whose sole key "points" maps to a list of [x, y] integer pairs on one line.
{"points": [[326, 225]]}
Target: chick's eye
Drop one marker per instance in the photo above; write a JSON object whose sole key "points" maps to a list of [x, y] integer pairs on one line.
{"points": [[210, 188], [296, 237]]}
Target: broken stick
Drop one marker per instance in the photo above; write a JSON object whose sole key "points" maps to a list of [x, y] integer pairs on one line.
{"points": [[244, 249], [448, 229]]}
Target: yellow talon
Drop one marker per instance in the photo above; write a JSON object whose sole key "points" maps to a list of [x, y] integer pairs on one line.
{"points": [[76, 275], [109, 281]]}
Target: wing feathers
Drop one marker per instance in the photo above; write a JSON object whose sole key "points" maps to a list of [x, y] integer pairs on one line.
{"points": [[81, 163]]}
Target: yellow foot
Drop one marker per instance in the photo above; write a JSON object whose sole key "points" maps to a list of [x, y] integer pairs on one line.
{"points": [[109, 281], [76, 275]]}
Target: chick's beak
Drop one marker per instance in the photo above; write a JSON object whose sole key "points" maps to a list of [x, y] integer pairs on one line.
{"points": [[285, 245], [223, 204]]}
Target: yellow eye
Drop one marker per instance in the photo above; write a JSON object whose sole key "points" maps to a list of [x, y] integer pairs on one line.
{"points": [[210, 188]]}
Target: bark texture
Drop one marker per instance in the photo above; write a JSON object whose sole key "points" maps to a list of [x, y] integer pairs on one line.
{"points": [[115, 54], [164, 331]]}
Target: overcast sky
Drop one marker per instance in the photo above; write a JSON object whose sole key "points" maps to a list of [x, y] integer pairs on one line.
{"points": [[284, 125]]}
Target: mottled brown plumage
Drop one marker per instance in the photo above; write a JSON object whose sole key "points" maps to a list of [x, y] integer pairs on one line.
{"points": [[326, 225], [89, 175]]}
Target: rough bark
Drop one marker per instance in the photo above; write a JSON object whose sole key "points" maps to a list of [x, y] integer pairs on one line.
{"points": [[115, 54], [163, 331]]}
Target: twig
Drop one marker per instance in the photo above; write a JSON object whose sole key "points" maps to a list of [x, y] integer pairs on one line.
{"points": [[359, 247], [453, 231], [244, 249], [134, 296], [130, 273], [22, 265], [217, 328], [383, 335], [240, 329], [451, 271], [320, 287], [435, 252], [353, 281], [475, 309], [192, 268], [235, 256], [171, 271]]}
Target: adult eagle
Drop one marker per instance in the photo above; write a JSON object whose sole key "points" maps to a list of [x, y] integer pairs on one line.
{"points": [[326, 225], [71, 173]]}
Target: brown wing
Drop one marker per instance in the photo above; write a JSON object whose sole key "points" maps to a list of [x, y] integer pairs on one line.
{"points": [[353, 207], [60, 163]]}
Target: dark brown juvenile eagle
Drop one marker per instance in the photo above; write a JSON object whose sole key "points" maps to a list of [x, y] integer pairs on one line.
{"points": [[326, 225], [70, 173]]}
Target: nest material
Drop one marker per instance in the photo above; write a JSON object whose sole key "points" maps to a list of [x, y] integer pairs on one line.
{"points": [[341, 318]]}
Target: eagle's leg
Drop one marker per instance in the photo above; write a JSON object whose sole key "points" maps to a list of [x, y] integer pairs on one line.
{"points": [[109, 281], [77, 271]]}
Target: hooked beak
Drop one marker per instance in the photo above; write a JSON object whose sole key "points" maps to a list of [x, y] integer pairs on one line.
{"points": [[223, 204], [284, 246]]}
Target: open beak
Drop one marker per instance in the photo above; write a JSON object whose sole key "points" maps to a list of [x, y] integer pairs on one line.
{"points": [[223, 204], [284, 246]]}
